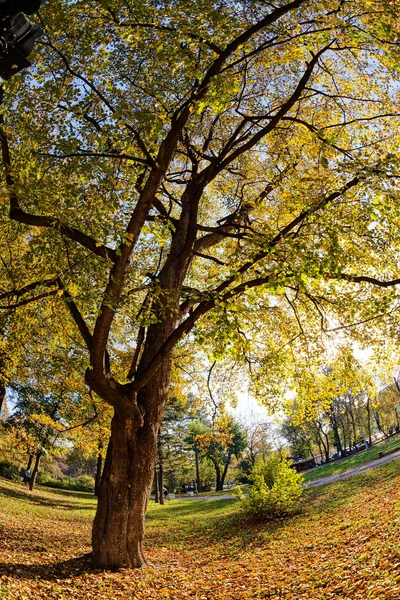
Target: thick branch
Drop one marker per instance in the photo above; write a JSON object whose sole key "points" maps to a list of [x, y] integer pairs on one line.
{"points": [[91, 154], [77, 317], [232, 222], [21, 216], [28, 288], [206, 305]]}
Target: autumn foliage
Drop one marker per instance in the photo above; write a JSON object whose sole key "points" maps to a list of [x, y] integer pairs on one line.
{"points": [[344, 545]]}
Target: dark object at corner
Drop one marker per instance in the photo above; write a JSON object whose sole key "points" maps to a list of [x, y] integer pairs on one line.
{"points": [[17, 35]]}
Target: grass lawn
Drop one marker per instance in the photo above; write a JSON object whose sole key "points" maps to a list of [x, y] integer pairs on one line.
{"points": [[361, 458], [344, 545]]}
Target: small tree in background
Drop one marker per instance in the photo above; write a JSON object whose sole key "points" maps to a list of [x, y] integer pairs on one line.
{"points": [[275, 489], [224, 440]]}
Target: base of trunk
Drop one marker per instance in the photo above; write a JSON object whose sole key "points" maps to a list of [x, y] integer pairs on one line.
{"points": [[118, 528]]}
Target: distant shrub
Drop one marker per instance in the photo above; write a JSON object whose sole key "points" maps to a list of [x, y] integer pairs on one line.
{"points": [[9, 471], [83, 483], [275, 489]]}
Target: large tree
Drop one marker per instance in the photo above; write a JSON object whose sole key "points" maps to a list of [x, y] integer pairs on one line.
{"points": [[176, 167]]}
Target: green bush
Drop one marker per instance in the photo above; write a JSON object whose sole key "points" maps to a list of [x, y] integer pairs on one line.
{"points": [[83, 483], [275, 489], [9, 471]]}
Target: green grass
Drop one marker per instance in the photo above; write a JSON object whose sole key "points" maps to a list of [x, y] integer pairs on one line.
{"points": [[343, 545], [350, 462]]}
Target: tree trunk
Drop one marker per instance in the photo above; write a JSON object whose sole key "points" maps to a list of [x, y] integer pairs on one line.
{"points": [[321, 433], [30, 461], [343, 426], [369, 428], [156, 491], [35, 470], [326, 446], [2, 396], [321, 452], [218, 483], [99, 467], [118, 528], [379, 425], [161, 483], [396, 412], [354, 428], [225, 472], [336, 435], [198, 480]]}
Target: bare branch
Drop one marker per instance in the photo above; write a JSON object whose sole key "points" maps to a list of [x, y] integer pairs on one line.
{"points": [[208, 257], [28, 301], [364, 279]]}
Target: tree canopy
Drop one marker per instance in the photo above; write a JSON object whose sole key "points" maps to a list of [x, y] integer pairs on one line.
{"points": [[223, 174]]}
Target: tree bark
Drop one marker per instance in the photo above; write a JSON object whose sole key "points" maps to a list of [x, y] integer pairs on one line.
{"points": [[99, 467], [2, 396], [396, 412], [379, 425], [336, 435], [156, 491], [369, 430], [198, 480], [225, 472], [30, 461], [118, 528], [35, 470], [161, 483], [354, 427], [218, 487], [326, 446]]}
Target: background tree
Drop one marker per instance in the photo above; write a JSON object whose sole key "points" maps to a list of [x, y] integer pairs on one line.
{"points": [[197, 431], [224, 440], [169, 445], [35, 421], [387, 410], [299, 438]]}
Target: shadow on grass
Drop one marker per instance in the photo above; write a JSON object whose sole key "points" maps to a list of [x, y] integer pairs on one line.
{"points": [[71, 493], [199, 524], [205, 523], [189, 507], [34, 498], [50, 571]]}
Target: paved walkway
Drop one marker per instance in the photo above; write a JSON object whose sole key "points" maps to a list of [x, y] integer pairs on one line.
{"points": [[194, 497], [317, 482], [366, 467]]}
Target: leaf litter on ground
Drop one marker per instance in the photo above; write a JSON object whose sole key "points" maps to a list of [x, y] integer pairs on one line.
{"points": [[343, 545]]}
